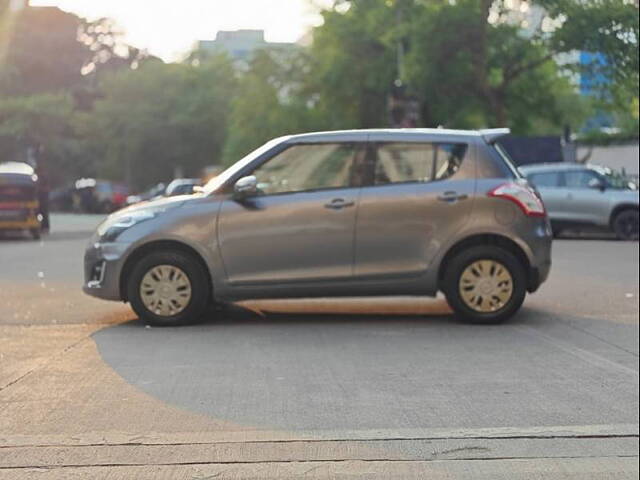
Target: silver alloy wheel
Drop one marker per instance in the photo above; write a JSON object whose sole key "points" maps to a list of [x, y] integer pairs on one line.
{"points": [[486, 286], [165, 290]]}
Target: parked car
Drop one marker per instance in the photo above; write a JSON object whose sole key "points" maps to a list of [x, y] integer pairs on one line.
{"points": [[179, 186], [19, 205], [357, 213], [578, 196], [182, 186], [154, 192], [98, 196]]}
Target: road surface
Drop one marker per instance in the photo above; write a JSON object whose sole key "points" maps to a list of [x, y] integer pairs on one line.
{"points": [[318, 389]]}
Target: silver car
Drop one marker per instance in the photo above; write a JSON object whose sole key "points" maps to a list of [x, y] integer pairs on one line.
{"points": [[578, 196], [349, 213]]}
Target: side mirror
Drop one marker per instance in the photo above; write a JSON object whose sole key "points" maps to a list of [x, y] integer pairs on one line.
{"points": [[598, 184], [246, 187]]}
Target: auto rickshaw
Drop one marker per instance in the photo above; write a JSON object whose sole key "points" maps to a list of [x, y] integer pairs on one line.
{"points": [[19, 206]]}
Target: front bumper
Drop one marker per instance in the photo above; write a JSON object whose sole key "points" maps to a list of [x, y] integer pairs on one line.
{"points": [[102, 267]]}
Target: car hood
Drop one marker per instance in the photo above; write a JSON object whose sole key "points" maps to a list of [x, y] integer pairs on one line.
{"points": [[165, 202]]}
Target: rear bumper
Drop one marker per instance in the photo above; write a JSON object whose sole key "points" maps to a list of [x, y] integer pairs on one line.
{"points": [[538, 275], [540, 244], [20, 224]]}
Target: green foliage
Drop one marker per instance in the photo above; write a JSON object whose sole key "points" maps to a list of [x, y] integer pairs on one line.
{"points": [[609, 28], [270, 102], [354, 64], [97, 106], [151, 120], [45, 121]]}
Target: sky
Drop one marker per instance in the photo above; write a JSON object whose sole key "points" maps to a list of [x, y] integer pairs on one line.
{"points": [[170, 28]]}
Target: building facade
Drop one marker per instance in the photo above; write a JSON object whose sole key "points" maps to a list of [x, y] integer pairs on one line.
{"points": [[240, 45]]}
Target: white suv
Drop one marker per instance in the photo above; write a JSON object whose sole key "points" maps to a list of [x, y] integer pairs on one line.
{"points": [[577, 195]]}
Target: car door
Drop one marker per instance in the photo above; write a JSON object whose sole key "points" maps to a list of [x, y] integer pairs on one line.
{"points": [[300, 226], [415, 198], [586, 201]]}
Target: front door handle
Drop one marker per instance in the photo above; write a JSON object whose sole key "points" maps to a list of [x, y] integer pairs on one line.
{"points": [[339, 203], [451, 197]]}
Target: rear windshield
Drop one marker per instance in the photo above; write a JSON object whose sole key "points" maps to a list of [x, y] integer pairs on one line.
{"points": [[506, 158]]}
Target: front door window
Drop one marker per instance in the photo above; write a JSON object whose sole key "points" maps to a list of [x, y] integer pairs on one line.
{"points": [[302, 168]]}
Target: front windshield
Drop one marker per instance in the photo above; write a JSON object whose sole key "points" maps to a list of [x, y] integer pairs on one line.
{"points": [[616, 179], [215, 183]]}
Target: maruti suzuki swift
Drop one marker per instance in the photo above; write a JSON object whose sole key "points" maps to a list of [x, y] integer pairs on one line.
{"points": [[345, 213]]}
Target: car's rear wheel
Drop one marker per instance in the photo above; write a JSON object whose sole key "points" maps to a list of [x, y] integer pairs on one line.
{"points": [[168, 288], [625, 225], [485, 284]]}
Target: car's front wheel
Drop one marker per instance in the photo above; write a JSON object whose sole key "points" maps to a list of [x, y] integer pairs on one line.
{"points": [[485, 284], [168, 288]]}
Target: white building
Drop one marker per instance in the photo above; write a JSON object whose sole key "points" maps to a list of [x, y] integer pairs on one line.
{"points": [[240, 44]]}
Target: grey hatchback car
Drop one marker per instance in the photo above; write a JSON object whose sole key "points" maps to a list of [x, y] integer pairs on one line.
{"points": [[347, 213]]}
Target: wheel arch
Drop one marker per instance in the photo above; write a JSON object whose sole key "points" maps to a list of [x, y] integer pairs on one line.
{"points": [[171, 245], [494, 239], [621, 208]]}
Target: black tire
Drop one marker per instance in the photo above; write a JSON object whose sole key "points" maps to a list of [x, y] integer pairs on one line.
{"points": [[455, 268], [198, 278], [625, 225], [35, 233]]}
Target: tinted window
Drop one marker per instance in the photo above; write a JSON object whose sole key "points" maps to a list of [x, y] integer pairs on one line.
{"points": [[579, 178], [416, 162], [548, 179], [307, 167]]}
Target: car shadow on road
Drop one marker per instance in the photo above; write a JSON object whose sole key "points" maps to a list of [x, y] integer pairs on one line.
{"points": [[308, 314], [359, 371]]}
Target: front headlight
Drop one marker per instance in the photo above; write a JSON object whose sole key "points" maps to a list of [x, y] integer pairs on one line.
{"points": [[111, 228]]}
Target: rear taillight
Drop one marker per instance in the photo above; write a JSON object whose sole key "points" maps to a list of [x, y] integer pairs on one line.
{"points": [[523, 196]]}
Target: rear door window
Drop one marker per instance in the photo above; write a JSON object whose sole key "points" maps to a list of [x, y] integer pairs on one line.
{"points": [[546, 179], [416, 162], [579, 178]]}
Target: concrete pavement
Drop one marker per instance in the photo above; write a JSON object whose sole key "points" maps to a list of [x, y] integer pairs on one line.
{"points": [[86, 392]]}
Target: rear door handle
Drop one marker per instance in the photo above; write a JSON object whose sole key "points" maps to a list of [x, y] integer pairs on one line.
{"points": [[338, 203], [451, 197]]}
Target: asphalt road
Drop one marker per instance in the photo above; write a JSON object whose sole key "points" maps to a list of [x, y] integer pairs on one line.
{"points": [[329, 389]]}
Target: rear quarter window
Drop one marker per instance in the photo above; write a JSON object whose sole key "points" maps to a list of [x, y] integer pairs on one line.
{"points": [[494, 163]]}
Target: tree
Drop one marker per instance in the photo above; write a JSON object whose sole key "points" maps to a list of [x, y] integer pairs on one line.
{"points": [[45, 124], [151, 120], [271, 100], [354, 63], [48, 50], [608, 28], [43, 53], [471, 62], [471, 72]]}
